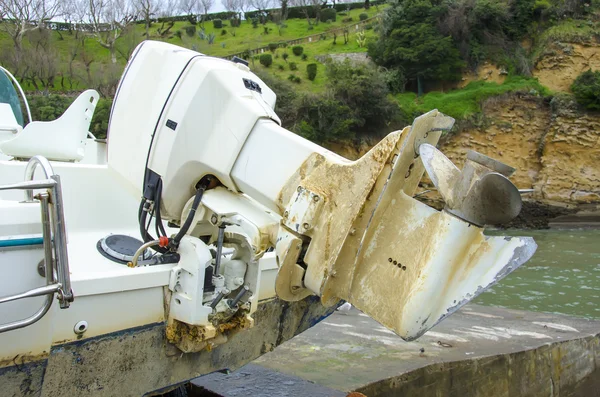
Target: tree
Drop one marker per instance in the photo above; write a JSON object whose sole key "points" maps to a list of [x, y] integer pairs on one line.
{"points": [[25, 16], [261, 6], [109, 20], [169, 8], [233, 6], [284, 9], [40, 60], [190, 8], [410, 40], [147, 9], [307, 7], [205, 6]]}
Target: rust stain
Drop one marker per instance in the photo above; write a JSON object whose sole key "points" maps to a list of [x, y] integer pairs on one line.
{"points": [[21, 359]]}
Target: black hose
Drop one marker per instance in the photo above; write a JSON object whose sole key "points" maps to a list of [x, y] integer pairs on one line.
{"points": [[188, 222], [142, 215], [158, 224]]}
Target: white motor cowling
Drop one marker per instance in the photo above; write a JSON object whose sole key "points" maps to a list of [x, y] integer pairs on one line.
{"points": [[179, 115]]}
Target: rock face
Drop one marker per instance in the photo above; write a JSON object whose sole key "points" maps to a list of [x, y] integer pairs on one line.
{"points": [[561, 63], [557, 153], [554, 147]]}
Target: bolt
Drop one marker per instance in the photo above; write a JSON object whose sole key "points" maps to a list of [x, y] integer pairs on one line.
{"points": [[295, 288], [316, 198], [285, 214], [352, 232], [390, 260], [299, 189], [299, 246], [306, 226], [214, 219]]}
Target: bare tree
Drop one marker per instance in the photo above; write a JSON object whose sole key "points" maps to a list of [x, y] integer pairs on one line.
{"points": [[261, 6], [234, 7], [169, 8], [41, 61], [205, 6], [109, 20], [147, 9], [306, 7], [189, 7], [25, 16], [231, 5], [245, 7]]}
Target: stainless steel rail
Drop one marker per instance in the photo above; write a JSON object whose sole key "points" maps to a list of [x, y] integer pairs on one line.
{"points": [[56, 260]]}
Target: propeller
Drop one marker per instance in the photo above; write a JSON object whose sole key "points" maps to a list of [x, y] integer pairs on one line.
{"points": [[480, 194]]}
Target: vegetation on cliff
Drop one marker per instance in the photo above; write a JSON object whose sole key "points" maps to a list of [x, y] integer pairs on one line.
{"points": [[586, 89]]}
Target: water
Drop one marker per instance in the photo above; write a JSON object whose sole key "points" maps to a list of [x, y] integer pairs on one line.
{"points": [[562, 277]]}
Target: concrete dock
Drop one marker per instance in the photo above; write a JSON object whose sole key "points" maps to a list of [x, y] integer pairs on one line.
{"points": [[479, 351]]}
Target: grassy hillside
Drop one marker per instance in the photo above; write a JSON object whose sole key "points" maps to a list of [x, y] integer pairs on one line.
{"points": [[63, 46]]}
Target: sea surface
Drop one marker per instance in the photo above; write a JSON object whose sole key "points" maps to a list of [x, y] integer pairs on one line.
{"points": [[562, 277]]}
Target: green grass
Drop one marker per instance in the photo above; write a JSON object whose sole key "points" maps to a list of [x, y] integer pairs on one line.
{"points": [[464, 103], [568, 31], [312, 50], [246, 37]]}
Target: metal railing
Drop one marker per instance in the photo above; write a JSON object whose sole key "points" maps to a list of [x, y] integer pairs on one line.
{"points": [[56, 262]]}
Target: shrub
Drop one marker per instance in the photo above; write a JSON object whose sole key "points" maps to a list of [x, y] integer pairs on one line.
{"points": [[297, 50], [254, 23], [328, 14], [304, 57], [363, 89], [293, 66], [369, 26], [217, 23], [363, 16], [273, 46], [178, 34], [51, 107], [294, 79], [343, 14], [223, 32], [190, 30], [311, 71], [285, 56], [346, 20], [235, 23], [323, 118], [266, 60], [586, 88], [280, 67], [276, 56]]}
